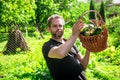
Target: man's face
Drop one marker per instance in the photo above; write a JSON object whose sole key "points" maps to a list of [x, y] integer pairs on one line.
{"points": [[56, 28]]}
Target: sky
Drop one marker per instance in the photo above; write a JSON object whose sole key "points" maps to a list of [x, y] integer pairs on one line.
{"points": [[116, 1]]}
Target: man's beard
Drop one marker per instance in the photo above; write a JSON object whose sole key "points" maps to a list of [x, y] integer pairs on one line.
{"points": [[57, 34]]}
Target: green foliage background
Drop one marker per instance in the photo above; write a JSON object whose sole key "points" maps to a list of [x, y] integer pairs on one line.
{"points": [[31, 65]]}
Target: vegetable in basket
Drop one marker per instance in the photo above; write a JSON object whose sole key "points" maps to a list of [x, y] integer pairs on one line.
{"points": [[90, 30]]}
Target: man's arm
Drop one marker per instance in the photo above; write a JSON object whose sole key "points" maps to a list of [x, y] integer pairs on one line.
{"points": [[84, 60], [61, 50]]}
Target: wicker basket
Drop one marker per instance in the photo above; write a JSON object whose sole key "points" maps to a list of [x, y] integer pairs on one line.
{"points": [[95, 43]]}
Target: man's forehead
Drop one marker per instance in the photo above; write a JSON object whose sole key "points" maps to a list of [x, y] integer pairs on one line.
{"points": [[57, 20]]}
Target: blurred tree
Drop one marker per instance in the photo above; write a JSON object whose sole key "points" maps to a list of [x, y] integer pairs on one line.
{"points": [[21, 11], [43, 11], [92, 7], [102, 10], [47, 8]]}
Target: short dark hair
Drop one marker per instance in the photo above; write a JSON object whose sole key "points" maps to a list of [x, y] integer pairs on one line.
{"points": [[53, 17]]}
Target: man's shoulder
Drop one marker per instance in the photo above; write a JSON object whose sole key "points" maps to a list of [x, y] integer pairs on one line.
{"points": [[47, 46], [47, 43]]}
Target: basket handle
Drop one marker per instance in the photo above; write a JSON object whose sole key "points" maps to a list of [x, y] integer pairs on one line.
{"points": [[92, 11]]}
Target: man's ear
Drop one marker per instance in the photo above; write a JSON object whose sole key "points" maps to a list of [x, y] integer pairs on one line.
{"points": [[48, 29]]}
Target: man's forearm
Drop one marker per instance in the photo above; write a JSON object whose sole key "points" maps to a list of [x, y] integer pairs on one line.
{"points": [[85, 60]]}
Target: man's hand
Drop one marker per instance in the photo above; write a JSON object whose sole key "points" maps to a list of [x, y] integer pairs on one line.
{"points": [[77, 27]]}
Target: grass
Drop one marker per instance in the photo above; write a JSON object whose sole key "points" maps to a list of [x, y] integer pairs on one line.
{"points": [[24, 62], [31, 65]]}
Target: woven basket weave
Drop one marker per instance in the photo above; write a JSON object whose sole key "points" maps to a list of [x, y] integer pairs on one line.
{"points": [[95, 43]]}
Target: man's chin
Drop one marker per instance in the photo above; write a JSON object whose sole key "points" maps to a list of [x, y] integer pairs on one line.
{"points": [[57, 36]]}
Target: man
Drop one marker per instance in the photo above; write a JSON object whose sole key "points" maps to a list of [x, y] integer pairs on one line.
{"points": [[63, 59]]}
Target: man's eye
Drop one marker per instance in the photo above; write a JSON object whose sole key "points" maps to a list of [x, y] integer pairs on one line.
{"points": [[60, 25]]}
